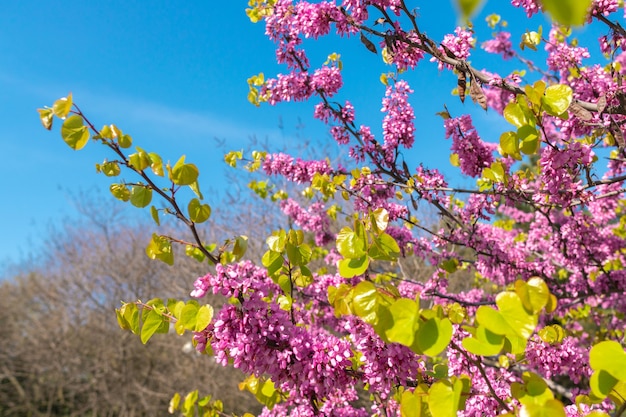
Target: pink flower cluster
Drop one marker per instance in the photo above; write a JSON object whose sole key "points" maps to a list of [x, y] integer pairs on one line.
{"points": [[398, 124], [566, 358], [314, 219], [474, 154], [374, 193], [604, 7], [563, 56], [500, 44], [404, 50], [559, 173], [296, 170], [234, 280], [459, 44], [530, 6], [383, 363]]}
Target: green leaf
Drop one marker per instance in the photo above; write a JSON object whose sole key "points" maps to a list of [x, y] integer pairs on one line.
{"points": [[492, 320], [601, 383], [512, 309], [184, 174], [514, 114], [128, 317], [232, 157], [380, 218], [365, 301], [552, 334], [405, 315], [551, 408], [61, 108], [567, 12], [120, 191], [444, 398], [195, 187], [140, 196], [273, 261], [468, 7], [194, 252], [529, 138], [609, 356], [414, 404], [509, 144], [46, 116], [74, 132], [485, 343], [160, 248], [533, 391], [384, 247], [151, 323], [350, 245], [155, 215], [189, 315], [198, 212], [156, 164], [203, 317], [190, 402], [457, 313], [240, 247], [174, 404], [557, 98], [139, 160], [125, 141], [534, 294], [618, 394], [434, 335], [349, 268], [110, 169]]}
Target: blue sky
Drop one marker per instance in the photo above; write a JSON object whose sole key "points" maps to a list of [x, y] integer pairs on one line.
{"points": [[173, 75]]}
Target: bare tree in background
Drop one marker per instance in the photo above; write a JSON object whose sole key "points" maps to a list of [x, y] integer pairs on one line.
{"points": [[62, 351]]}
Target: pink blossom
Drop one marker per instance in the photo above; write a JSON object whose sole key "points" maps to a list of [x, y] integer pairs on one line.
{"points": [[501, 45], [398, 124], [530, 6], [474, 154]]}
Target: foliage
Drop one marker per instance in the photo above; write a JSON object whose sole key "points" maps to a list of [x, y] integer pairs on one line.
{"points": [[328, 312]]}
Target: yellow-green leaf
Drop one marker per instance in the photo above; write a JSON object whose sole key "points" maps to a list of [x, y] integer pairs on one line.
{"points": [[434, 335], [62, 106], [74, 132], [468, 7], [557, 99], [46, 116], [568, 12], [140, 196], [404, 313], [184, 174], [198, 212]]}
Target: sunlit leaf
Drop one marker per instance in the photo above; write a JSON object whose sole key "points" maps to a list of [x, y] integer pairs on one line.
{"points": [[184, 174], [198, 212], [62, 107], [351, 267], [46, 116], [404, 313], [74, 132], [568, 12], [155, 215], [557, 99], [160, 248], [151, 323], [434, 335], [551, 408], [349, 244], [140, 196]]}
